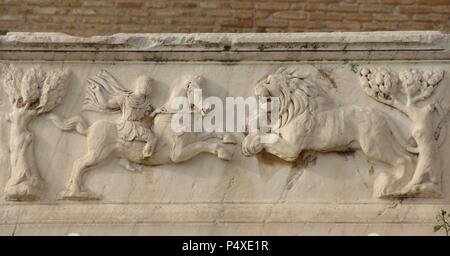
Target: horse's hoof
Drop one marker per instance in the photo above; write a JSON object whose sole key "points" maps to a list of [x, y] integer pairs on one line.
{"points": [[77, 195], [223, 154], [228, 139]]}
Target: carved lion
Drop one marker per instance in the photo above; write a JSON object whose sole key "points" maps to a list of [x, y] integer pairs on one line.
{"points": [[310, 120]]}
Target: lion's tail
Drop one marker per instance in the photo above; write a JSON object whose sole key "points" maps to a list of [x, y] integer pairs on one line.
{"points": [[76, 123]]}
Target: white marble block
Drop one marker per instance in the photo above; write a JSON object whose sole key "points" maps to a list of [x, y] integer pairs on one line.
{"points": [[360, 143]]}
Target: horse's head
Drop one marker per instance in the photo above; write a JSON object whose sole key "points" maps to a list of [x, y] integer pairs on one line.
{"points": [[193, 89]]}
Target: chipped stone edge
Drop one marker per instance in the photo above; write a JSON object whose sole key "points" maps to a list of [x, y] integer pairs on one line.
{"points": [[321, 41]]}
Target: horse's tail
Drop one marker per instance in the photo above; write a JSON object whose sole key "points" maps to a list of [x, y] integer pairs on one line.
{"points": [[76, 123]]}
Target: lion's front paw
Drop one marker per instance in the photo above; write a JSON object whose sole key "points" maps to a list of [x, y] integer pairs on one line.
{"points": [[252, 145]]}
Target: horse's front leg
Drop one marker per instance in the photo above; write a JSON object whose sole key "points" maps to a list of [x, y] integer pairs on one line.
{"points": [[183, 153]]}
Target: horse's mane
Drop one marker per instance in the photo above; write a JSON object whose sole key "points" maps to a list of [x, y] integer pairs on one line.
{"points": [[301, 93]]}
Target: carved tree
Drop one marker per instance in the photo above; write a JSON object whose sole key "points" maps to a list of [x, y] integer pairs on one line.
{"points": [[406, 92], [31, 93]]}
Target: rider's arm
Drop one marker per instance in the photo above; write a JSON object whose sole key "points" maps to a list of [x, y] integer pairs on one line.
{"points": [[157, 111], [111, 103], [114, 102]]}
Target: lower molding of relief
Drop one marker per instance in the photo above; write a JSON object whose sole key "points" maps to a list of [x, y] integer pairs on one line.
{"points": [[224, 229], [219, 219], [113, 213]]}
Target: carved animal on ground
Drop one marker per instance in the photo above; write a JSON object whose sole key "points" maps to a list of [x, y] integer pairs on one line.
{"points": [[310, 120], [104, 140]]}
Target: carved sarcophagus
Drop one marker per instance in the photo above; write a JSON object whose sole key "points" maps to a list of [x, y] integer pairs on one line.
{"points": [[315, 133]]}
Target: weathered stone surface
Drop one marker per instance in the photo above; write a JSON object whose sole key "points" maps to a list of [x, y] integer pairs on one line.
{"points": [[361, 142]]}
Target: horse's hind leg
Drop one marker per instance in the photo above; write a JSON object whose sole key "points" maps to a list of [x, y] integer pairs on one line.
{"points": [[75, 189], [181, 154]]}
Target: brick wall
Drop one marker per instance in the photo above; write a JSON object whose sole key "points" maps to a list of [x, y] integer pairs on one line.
{"points": [[91, 17]]}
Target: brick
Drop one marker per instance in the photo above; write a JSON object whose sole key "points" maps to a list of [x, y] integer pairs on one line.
{"points": [[291, 15], [96, 20], [379, 26], [192, 21], [67, 3], [272, 6], [300, 6], [40, 19], [32, 2], [308, 24], [138, 13], [185, 5], [391, 17], [10, 18], [397, 2], [112, 11], [315, 7], [441, 9], [198, 29], [244, 14], [192, 12], [343, 7], [339, 26], [326, 16], [261, 14], [215, 5], [148, 20], [414, 9], [46, 10], [97, 3], [64, 19], [15, 10], [155, 5], [166, 12], [326, 1], [415, 26], [24, 10], [271, 23], [80, 11], [220, 13], [375, 8], [430, 17], [237, 23], [122, 20], [240, 5], [359, 17], [128, 5], [433, 2]]}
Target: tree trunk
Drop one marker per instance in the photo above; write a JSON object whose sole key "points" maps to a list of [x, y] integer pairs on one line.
{"points": [[25, 182], [426, 181]]}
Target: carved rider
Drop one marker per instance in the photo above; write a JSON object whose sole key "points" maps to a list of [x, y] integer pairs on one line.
{"points": [[135, 119]]}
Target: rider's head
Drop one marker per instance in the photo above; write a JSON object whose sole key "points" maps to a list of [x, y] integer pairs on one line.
{"points": [[143, 86]]}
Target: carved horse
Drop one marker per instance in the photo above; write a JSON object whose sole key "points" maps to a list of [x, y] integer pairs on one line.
{"points": [[103, 141]]}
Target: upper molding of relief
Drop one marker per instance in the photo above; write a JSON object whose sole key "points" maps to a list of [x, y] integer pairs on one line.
{"points": [[238, 45]]}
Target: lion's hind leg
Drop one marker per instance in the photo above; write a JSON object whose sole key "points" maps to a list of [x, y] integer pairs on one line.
{"points": [[389, 151]]}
